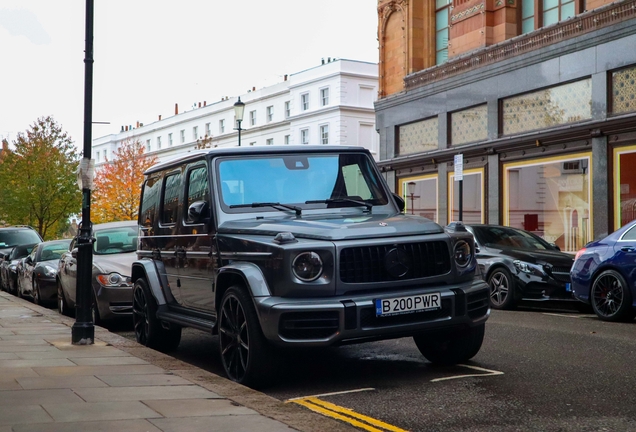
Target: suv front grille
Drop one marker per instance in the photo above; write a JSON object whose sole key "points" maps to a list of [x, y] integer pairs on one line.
{"points": [[308, 325], [373, 263]]}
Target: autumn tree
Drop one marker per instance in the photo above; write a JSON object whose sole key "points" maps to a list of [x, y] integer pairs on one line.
{"points": [[118, 183], [38, 178]]}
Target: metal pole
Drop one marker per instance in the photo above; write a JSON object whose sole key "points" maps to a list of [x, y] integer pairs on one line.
{"points": [[83, 331], [239, 131], [461, 200]]}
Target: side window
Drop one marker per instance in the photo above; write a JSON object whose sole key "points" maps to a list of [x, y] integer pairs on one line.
{"points": [[170, 207], [630, 235], [197, 187], [149, 202]]}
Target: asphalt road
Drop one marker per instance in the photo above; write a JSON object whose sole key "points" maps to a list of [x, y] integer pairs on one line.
{"points": [[538, 370]]}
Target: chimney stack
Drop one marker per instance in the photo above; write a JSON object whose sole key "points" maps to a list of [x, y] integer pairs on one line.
{"points": [[285, 77], [159, 117], [205, 103], [176, 109]]}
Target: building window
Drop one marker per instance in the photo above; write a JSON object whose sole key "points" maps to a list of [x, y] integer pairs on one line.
{"points": [[557, 10], [148, 145], [527, 16], [550, 12], [269, 141], [304, 136], [324, 134], [624, 91], [418, 137], [208, 133], [221, 126], [624, 185], [253, 143], [105, 156], [170, 140], [286, 139], [420, 196], [550, 197], [304, 101], [158, 143], [270, 113], [182, 133], [98, 156], [195, 133], [472, 197], [547, 108], [324, 96], [469, 125], [252, 118], [287, 109], [442, 9]]}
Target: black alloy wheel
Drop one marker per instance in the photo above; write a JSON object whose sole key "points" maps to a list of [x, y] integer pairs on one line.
{"points": [[37, 296], [611, 297], [246, 355], [148, 329], [502, 289]]}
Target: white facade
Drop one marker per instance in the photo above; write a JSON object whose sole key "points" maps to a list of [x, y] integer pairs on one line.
{"points": [[329, 104]]}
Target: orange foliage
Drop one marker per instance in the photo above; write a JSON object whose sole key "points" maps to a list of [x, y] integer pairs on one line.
{"points": [[118, 183]]}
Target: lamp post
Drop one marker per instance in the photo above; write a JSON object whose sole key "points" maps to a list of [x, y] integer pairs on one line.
{"points": [[239, 108], [411, 188]]}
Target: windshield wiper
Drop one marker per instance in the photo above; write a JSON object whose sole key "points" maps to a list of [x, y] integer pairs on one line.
{"points": [[275, 205], [366, 204]]}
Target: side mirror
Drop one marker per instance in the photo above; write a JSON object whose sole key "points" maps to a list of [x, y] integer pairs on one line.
{"points": [[198, 212], [74, 253], [28, 260], [399, 201]]}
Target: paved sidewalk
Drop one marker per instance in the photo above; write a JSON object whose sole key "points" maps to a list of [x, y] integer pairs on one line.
{"points": [[48, 384]]}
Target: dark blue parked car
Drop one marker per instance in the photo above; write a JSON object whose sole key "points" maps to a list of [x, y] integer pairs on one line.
{"points": [[604, 275]]}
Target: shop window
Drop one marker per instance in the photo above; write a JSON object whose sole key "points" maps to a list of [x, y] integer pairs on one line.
{"points": [[624, 185], [472, 197], [550, 197], [624, 91], [469, 125], [420, 196], [547, 108], [418, 137]]}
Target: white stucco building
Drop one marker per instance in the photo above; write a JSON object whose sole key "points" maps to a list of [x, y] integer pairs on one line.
{"points": [[329, 104]]}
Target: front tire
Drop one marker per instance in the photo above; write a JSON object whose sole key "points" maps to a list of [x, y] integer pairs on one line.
{"points": [[246, 355], [452, 346], [502, 289], [148, 329], [611, 298], [62, 304], [37, 295]]}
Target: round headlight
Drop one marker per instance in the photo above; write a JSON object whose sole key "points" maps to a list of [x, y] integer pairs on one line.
{"points": [[307, 266], [462, 253]]}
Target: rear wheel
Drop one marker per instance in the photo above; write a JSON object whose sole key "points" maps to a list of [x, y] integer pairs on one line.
{"points": [[502, 289], [452, 346], [37, 296], [611, 297], [246, 355], [148, 329]]}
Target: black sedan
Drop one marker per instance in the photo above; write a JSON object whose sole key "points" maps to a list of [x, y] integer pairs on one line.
{"points": [[519, 265], [9, 267], [37, 271]]}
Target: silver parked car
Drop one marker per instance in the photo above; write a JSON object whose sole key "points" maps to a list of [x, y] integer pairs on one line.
{"points": [[113, 254]]}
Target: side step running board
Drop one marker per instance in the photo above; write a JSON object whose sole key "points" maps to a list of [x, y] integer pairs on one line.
{"points": [[186, 321]]}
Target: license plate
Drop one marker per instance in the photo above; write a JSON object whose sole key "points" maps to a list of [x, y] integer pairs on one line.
{"points": [[568, 287], [402, 305]]}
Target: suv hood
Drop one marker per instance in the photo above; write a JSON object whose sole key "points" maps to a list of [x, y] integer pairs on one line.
{"points": [[335, 227]]}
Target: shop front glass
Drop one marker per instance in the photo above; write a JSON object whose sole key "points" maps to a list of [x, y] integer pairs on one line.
{"points": [[420, 196], [551, 197], [472, 197], [624, 185]]}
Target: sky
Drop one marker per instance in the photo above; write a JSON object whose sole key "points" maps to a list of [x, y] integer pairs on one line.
{"points": [[150, 54]]}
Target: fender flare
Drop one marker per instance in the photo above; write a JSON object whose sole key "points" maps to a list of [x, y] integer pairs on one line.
{"points": [[251, 275], [147, 268]]}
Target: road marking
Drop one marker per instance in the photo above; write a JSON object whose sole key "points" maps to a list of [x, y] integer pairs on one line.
{"points": [[344, 414], [488, 373]]}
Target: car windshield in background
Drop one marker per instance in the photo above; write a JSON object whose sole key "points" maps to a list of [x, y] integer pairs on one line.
{"points": [[18, 237], [115, 240], [53, 251], [309, 181], [499, 237]]}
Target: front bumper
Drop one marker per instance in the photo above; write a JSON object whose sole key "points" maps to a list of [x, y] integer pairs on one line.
{"points": [[350, 319], [48, 289], [545, 288], [113, 302]]}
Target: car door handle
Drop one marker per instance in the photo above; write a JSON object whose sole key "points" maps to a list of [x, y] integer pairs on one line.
{"points": [[628, 249]]}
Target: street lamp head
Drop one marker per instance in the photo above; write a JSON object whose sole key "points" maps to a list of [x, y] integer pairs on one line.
{"points": [[239, 108], [411, 187]]}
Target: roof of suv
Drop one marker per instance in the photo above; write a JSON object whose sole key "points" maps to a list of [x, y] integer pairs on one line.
{"points": [[254, 150]]}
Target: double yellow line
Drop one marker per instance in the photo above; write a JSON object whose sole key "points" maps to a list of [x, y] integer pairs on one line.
{"points": [[345, 414]]}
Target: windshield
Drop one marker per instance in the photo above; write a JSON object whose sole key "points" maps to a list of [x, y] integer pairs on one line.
{"points": [[297, 179], [116, 240], [53, 251], [505, 237], [11, 238]]}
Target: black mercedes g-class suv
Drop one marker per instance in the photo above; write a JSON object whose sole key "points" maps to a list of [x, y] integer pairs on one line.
{"points": [[297, 246]]}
